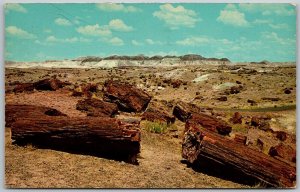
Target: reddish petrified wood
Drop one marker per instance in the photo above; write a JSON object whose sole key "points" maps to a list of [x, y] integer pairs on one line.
{"points": [[13, 112], [183, 111], [23, 87], [201, 143], [283, 151], [159, 111], [97, 108], [237, 118], [209, 122], [97, 136], [240, 138], [48, 84], [127, 97]]}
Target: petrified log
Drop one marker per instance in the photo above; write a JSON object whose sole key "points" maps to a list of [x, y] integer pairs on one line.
{"points": [[283, 151], [208, 122], [127, 97], [23, 87], [200, 144], [183, 111], [159, 111], [12, 112], [97, 108], [94, 136], [236, 118], [48, 84]]}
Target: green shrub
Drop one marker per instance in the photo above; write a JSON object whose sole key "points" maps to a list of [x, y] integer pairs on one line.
{"points": [[156, 127]]}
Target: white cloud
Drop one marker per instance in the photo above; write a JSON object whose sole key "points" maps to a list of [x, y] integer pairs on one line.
{"points": [[15, 7], [110, 7], [279, 26], [94, 30], [178, 16], [193, 41], [119, 25], [151, 42], [231, 16], [269, 9], [261, 21], [273, 37], [116, 41], [135, 42], [62, 22], [53, 39], [19, 33]]}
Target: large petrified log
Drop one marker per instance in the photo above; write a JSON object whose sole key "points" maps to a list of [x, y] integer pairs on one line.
{"points": [[12, 112], [200, 144], [97, 108], [208, 122], [51, 84], [94, 136], [183, 111], [127, 97]]}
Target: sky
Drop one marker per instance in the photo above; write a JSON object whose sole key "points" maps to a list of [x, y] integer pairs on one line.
{"points": [[239, 32]]}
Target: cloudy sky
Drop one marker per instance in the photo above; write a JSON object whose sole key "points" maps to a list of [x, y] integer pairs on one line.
{"points": [[240, 32]]}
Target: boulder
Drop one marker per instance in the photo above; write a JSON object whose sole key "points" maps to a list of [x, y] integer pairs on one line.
{"points": [[127, 97], [97, 108]]}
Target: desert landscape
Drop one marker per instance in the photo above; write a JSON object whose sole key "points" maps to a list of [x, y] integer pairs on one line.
{"points": [[253, 102], [150, 95]]}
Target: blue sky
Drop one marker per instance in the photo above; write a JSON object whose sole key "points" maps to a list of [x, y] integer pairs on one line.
{"points": [[240, 32]]}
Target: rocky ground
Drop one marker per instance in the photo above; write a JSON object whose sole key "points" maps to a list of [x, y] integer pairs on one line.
{"points": [[253, 90]]}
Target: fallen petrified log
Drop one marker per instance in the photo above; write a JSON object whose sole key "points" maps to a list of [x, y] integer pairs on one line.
{"points": [[199, 144], [21, 87], [97, 108], [127, 97], [208, 122], [99, 136], [157, 111], [12, 112], [48, 84], [183, 111]]}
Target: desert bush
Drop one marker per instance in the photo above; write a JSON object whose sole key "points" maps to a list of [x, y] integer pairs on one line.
{"points": [[155, 127]]}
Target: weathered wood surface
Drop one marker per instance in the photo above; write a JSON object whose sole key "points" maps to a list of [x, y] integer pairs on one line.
{"points": [[127, 97], [208, 122], [12, 112], [97, 108], [201, 143], [97, 136]]}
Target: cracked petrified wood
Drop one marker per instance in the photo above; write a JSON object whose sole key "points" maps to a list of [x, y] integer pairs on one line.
{"points": [[200, 143], [12, 112], [97, 136], [97, 108], [127, 97]]}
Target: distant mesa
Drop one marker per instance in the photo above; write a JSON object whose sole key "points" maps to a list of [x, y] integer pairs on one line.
{"points": [[188, 57], [264, 62]]}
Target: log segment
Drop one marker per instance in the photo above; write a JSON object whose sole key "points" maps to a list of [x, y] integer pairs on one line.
{"points": [[12, 112], [200, 143], [99, 136], [127, 97]]}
